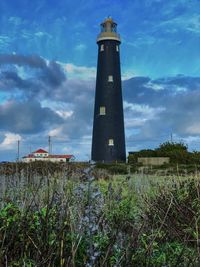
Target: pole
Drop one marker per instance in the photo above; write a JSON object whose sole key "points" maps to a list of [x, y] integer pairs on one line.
{"points": [[49, 141], [171, 137], [18, 144]]}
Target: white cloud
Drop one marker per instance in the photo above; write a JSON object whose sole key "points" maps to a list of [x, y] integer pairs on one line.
{"points": [[134, 122], [187, 22], [193, 24], [80, 47], [4, 38], [87, 137], [55, 132], [42, 34], [191, 139], [10, 140], [64, 114], [16, 20], [5, 41], [81, 72], [137, 115], [144, 109], [126, 75], [64, 110], [154, 86], [141, 39], [193, 129]]}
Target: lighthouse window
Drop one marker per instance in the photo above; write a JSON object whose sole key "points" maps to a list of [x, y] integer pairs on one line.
{"points": [[110, 78], [114, 28], [103, 28], [111, 142], [102, 111], [117, 48], [102, 48]]}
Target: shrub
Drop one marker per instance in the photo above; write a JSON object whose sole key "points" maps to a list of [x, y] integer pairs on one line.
{"points": [[177, 152], [67, 222], [116, 168]]}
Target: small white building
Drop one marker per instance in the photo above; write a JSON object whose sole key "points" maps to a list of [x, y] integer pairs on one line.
{"points": [[43, 155], [154, 161]]}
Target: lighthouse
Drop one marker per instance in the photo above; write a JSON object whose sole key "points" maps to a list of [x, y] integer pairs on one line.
{"points": [[108, 140]]}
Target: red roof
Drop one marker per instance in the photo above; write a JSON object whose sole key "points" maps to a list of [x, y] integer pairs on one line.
{"points": [[50, 156], [61, 156], [40, 151]]}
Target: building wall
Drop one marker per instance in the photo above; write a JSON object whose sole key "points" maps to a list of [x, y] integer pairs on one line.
{"points": [[41, 155], [45, 159], [156, 161]]}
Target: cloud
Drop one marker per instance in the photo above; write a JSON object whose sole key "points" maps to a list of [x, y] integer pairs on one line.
{"points": [[32, 61], [4, 40], [144, 90], [55, 132], [80, 47], [41, 101], [17, 21], [187, 22], [10, 139], [41, 34], [153, 108], [50, 72], [138, 114], [26, 117], [81, 72], [141, 39], [32, 75], [77, 97], [159, 107], [64, 114]]}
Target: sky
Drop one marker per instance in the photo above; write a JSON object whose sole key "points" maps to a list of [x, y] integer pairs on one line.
{"points": [[48, 58]]}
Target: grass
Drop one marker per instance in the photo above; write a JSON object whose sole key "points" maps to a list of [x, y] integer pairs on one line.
{"points": [[57, 216]]}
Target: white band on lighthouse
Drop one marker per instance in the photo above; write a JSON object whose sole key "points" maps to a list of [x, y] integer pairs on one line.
{"points": [[102, 38]]}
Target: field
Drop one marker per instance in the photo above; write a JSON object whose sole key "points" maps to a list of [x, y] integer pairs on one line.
{"points": [[78, 215]]}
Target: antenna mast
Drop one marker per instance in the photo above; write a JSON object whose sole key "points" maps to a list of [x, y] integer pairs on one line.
{"points": [[18, 145], [171, 136], [49, 142]]}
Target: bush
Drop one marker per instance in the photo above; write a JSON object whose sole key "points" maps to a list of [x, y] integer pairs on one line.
{"points": [[66, 222], [116, 168], [177, 152], [177, 212]]}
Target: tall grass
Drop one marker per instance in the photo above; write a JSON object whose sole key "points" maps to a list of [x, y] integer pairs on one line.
{"points": [[73, 215]]}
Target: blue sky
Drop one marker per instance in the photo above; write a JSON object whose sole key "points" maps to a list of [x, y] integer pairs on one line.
{"points": [[48, 57]]}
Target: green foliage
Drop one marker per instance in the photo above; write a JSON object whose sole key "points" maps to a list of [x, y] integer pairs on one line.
{"points": [[176, 213], [34, 235], [166, 254], [171, 147], [140, 221], [8, 215], [101, 240], [113, 168], [121, 212], [132, 158], [177, 152]]}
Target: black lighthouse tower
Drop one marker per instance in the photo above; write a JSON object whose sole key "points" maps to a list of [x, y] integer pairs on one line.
{"points": [[108, 141]]}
